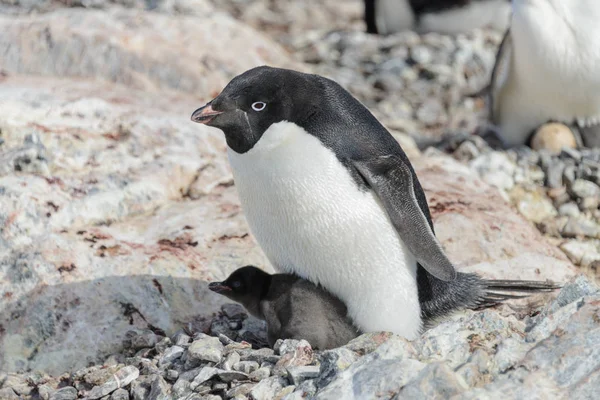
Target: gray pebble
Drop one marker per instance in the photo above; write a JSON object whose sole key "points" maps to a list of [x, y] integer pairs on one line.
{"points": [[554, 175], [230, 376], [240, 390], [230, 361], [261, 355], [246, 367], [171, 354], [260, 374], [205, 349], [172, 375], [580, 227], [569, 209], [301, 373], [140, 339], [582, 189], [181, 339], [267, 388], [120, 394], [234, 311]]}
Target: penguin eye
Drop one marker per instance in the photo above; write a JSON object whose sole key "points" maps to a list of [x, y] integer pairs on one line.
{"points": [[236, 284], [259, 106]]}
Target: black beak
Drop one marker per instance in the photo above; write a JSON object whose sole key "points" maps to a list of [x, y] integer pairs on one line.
{"points": [[205, 114], [219, 287]]}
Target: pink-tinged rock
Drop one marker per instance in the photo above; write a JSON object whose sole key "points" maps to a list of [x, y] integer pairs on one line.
{"points": [[197, 54], [480, 231], [109, 239]]}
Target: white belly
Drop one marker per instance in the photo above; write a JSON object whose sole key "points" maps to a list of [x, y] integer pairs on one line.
{"points": [[311, 219], [554, 71]]}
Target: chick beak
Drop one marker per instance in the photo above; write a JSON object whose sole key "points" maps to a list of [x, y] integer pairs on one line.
{"points": [[205, 114], [218, 287]]}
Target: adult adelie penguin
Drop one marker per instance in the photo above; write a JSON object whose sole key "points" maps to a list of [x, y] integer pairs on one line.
{"points": [[444, 16], [330, 196], [547, 70]]}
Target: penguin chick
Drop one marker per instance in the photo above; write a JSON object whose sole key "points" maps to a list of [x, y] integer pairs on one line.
{"points": [[547, 70], [292, 307], [444, 16], [330, 196]]}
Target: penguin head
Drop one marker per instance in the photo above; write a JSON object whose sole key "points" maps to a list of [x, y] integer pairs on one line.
{"points": [[245, 285], [255, 100]]}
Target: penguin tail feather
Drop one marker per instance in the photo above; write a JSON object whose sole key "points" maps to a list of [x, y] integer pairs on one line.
{"points": [[498, 291]]}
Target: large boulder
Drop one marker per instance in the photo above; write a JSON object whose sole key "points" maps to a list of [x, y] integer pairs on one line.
{"points": [[116, 210], [196, 54]]}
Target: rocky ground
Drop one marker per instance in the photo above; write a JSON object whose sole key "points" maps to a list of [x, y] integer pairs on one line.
{"points": [[553, 353], [116, 210]]}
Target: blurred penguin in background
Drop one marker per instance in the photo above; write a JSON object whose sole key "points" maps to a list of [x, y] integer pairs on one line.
{"points": [[548, 70], [444, 16]]}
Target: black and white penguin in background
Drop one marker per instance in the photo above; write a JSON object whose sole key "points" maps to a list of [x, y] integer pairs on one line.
{"points": [[331, 197], [548, 69], [444, 16]]}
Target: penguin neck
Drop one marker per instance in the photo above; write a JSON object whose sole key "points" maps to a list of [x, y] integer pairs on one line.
{"points": [[262, 290]]}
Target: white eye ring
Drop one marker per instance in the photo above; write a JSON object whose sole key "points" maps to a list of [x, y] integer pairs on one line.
{"points": [[259, 106]]}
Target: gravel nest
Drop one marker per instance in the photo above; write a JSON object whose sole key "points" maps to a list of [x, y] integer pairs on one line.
{"points": [[472, 354]]}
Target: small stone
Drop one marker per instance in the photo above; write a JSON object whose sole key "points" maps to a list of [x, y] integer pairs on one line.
{"points": [[260, 374], [421, 54], [267, 388], [145, 353], [300, 354], [234, 311], [44, 392], [190, 375], [533, 205], [230, 376], [334, 362], [577, 227], [163, 345], [306, 390], [431, 112], [554, 174], [171, 375], [466, 151], [171, 354], [219, 387], [206, 374], [140, 388], [261, 355], [9, 394], [569, 175], [121, 378], [180, 338], [569, 209], [368, 342], [181, 388], [559, 196], [159, 390], [205, 349], [139, 339], [246, 367], [240, 390], [301, 373], [589, 203], [120, 394], [285, 392], [553, 137], [582, 188], [225, 340], [231, 360]]}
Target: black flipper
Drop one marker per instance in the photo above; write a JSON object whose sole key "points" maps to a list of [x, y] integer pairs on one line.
{"points": [[391, 179]]}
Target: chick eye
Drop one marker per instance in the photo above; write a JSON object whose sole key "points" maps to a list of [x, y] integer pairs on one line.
{"points": [[259, 106]]}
